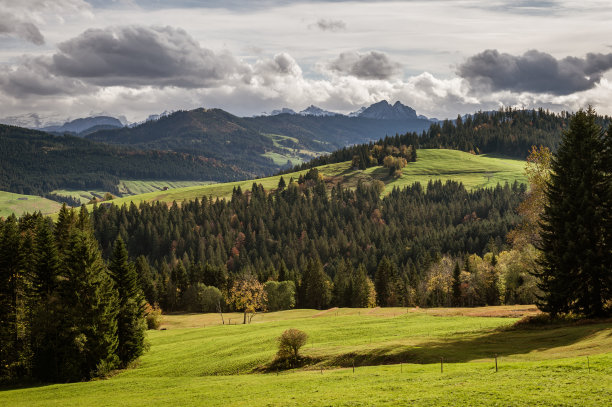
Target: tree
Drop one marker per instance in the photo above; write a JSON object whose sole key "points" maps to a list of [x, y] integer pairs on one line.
{"points": [[456, 285], [280, 295], [9, 276], [537, 171], [248, 295], [383, 281], [44, 307], [363, 292], [316, 286], [131, 324], [289, 344], [88, 333], [575, 270]]}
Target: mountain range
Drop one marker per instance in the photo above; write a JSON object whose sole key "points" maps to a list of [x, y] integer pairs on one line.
{"points": [[264, 144]]}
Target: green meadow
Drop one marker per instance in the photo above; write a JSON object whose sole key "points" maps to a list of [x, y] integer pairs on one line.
{"points": [[396, 353], [18, 204], [474, 171]]}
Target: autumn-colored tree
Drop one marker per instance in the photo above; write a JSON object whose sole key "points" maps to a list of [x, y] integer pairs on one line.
{"points": [[537, 171], [248, 295]]}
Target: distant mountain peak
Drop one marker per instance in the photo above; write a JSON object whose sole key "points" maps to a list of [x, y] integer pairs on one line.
{"points": [[384, 111], [313, 110], [84, 124], [284, 110]]}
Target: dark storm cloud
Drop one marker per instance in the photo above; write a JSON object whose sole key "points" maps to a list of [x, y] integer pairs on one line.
{"points": [[330, 25], [141, 56], [371, 65], [14, 26], [534, 71]]}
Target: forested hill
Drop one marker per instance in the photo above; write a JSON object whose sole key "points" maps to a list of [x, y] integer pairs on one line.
{"points": [[275, 235], [259, 145], [34, 162], [508, 132]]}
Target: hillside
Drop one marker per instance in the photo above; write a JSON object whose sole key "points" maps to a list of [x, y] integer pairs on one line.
{"points": [[472, 170], [197, 359], [35, 163], [260, 145]]}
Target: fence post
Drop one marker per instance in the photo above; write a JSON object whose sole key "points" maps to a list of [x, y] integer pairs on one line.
{"points": [[496, 363], [353, 367], [442, 364], [401, 368], [589, 364]]}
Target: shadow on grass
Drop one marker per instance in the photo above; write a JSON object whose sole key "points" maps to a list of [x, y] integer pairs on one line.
{"points": [[501, 342]]}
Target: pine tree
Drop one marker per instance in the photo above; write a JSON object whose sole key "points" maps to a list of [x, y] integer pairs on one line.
{"points": [[457, 285], [318, 287], [575, 273], [130, 319], [45, 313], [9, 275], [383, 281], [89, 306]]}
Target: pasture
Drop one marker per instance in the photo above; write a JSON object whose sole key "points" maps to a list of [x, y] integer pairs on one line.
{"points": [[396, 353]]}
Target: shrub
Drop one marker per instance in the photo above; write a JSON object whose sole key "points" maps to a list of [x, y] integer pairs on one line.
{"points": [[289, 344], [153, 316]]}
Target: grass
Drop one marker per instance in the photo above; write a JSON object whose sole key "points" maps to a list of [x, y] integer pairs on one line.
{"points": [[17, 204], [473, 171], [196, 361], [130, 187]]}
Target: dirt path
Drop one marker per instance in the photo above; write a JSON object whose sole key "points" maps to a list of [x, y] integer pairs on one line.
{"points": [[318, 314]]}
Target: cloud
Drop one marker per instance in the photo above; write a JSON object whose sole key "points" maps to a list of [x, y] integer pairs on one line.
{"points": [[13, 25], [534, 71], [141, 56], [329, 25], [371, 65], [21, 19]]}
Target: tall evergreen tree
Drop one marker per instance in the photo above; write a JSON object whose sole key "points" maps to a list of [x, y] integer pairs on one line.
{"points": [[575, 274], [45, 312], [89, 306], [456, 285], [130, 319], [383, 281], [9, 274]]}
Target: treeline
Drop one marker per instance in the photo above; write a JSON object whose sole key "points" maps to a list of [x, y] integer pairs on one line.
{"points": [[65, 314], [36, 163], [302, 234], [508, 132], [363, 156]]}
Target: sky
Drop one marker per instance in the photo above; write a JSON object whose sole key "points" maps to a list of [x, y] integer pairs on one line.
{"points": [[64, 59]]}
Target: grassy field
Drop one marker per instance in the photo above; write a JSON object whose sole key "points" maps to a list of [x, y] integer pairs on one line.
{"points": [[18, 204], [130, 187], [473, 171], [396, 351]]}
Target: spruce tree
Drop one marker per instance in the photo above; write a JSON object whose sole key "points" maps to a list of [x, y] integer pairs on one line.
{"points": [[575, 272], [383, 281], [89, 306], [9, 274], [456, 285], [130, 319], [45, 311]]}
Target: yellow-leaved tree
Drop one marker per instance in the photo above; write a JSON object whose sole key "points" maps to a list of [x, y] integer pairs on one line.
{"points": [[248, 295]]}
